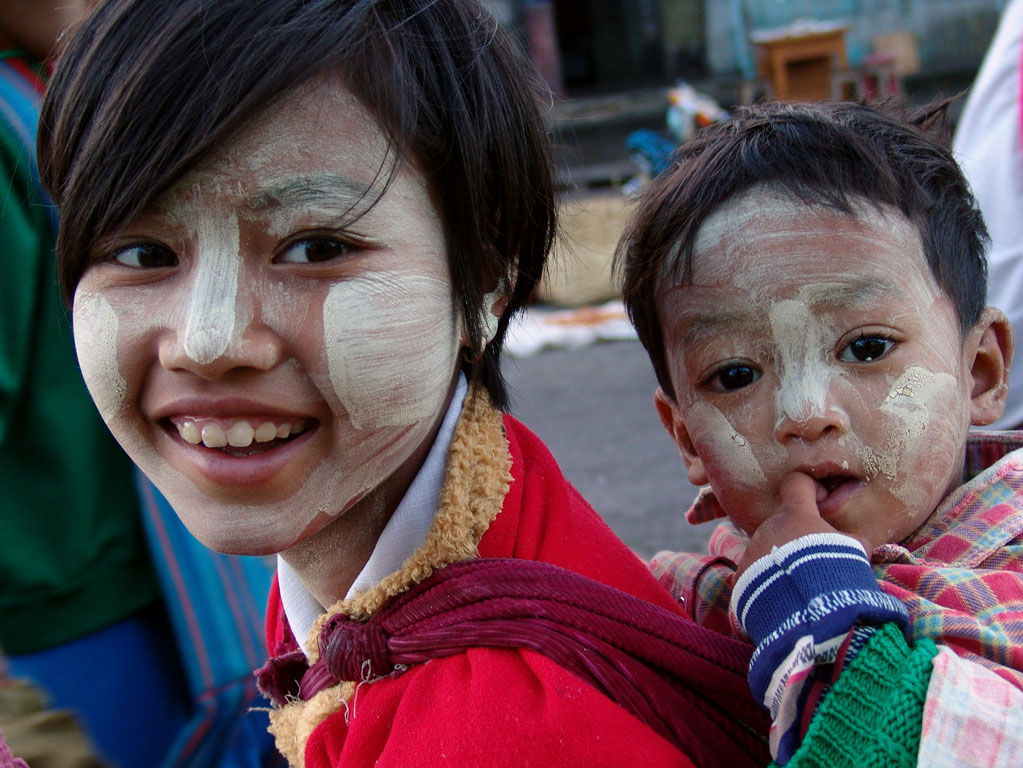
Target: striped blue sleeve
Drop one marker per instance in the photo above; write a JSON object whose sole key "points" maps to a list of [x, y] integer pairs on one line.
{"points": [[799, 604]]}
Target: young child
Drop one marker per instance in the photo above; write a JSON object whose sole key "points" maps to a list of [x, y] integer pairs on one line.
{"points": [[293, 232], [808, 281]]}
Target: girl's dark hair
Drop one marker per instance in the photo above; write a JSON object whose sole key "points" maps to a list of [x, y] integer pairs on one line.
{"points": [[145, 88], [826, 154]]}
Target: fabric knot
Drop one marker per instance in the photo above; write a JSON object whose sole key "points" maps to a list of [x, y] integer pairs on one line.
{"points": [[279, 678], [355, 650]]}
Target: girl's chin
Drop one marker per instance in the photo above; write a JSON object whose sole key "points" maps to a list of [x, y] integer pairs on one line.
{"points": [[257, 540]]}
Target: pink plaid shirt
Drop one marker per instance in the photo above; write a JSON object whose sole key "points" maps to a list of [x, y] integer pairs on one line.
{"points": [[960, 575], [972, 717]]}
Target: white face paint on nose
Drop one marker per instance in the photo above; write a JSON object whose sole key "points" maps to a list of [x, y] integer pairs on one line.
{"points": [[212, 308], [803, 373]]}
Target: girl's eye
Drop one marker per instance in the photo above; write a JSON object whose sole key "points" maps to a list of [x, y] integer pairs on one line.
{"points": [[866, 349], [733, 377], [313, 251], [145, 256]]}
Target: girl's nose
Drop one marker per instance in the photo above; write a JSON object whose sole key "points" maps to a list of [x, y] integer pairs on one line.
{"points": [[256, 347], [220, 328]]}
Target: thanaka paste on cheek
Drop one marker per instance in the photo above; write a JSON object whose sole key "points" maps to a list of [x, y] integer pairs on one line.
{"points": [[392, 340], [95, 332], [725, 447], [918, 410]]}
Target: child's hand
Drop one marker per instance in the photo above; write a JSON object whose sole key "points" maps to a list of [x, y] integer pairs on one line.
{"points": [[797, 516]]}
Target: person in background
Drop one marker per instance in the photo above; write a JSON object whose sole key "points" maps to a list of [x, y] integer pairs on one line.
{"points": [[988, 146], [84, 566]]}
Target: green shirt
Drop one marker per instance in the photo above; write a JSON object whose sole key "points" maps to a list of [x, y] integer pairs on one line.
{"points": [[73, 558]]}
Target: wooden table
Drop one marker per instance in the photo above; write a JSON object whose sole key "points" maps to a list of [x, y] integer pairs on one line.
{"points": [[798, 67]]}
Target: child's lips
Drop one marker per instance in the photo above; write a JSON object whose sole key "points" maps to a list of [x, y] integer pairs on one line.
{"points": [[834, 491], [822, 492]]}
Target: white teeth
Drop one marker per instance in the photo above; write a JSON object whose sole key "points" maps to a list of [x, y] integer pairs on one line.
{"points": [[266, 432], [190, 433], [240, 434], [213, 436]]}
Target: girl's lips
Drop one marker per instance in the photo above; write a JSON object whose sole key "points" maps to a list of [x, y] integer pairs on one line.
{"points": [[236, 466]]}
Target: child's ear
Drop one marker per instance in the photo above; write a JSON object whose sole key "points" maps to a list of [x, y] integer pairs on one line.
{"points": [[671, 418], [987, 350]]}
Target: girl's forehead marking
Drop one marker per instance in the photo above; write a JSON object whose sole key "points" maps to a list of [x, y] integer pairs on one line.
{"points": [[325, 193], [308, 189], [290, 138]]}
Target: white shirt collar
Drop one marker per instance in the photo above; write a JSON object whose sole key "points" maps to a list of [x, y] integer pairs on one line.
{"points": [[404, 533]]}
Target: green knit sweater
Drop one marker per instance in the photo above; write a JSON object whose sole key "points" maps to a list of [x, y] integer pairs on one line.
{"points": [[873, 714]]}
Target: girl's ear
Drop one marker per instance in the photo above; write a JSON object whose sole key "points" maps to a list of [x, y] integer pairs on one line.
{"points": [[495, 302], [987, 351], [671, 418], [496, 308]]}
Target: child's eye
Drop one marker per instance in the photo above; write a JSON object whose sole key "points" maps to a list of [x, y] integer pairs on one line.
{"points": [[313, 251], [866, 349], [735, 376], [145, 256]]}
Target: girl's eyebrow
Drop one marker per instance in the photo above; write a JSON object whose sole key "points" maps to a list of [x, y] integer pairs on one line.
{"points": [[320, 188]]}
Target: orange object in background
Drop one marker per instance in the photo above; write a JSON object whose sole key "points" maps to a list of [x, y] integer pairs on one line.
{"points": [[797, 61]]}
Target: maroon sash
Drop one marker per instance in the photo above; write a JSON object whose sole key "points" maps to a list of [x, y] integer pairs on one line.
{"points": [[685, 682]]}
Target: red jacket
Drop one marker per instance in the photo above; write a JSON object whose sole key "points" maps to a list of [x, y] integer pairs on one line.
{"points": [[491, 707]]}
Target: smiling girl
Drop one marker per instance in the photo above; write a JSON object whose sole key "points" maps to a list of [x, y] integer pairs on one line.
{"points": [[293, 234]]}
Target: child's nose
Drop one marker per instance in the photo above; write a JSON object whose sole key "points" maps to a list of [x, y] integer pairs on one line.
{"points": [[829, 420]]}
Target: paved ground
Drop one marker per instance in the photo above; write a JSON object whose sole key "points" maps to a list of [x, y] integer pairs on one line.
{"points": [[594, 409]]}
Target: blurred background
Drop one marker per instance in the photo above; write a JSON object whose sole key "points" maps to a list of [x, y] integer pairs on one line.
{"points": [[631, 79]]}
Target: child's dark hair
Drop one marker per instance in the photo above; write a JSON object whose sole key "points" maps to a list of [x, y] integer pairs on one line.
{"points": [[145, 88], [827, 154]]}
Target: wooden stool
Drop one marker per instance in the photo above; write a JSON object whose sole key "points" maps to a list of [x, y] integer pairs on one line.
{"points": [[798, 65]]}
